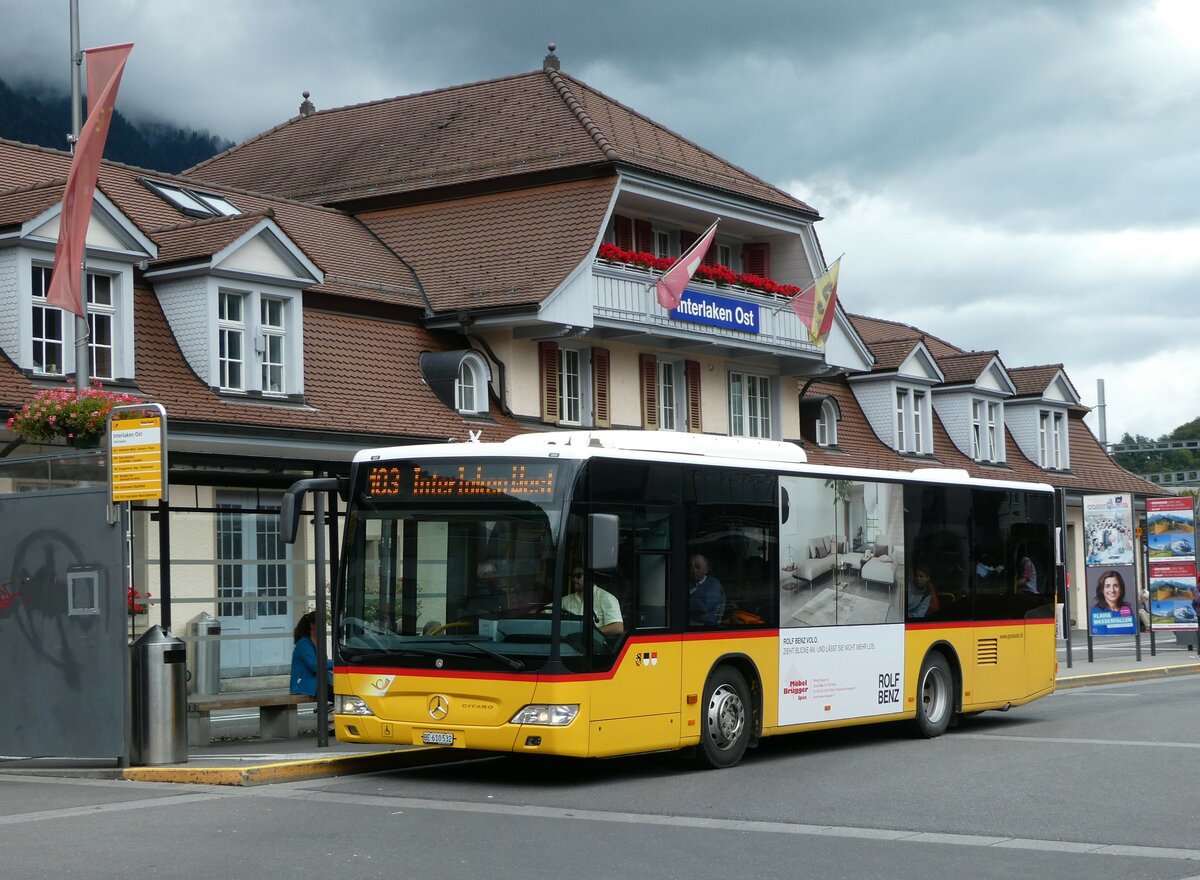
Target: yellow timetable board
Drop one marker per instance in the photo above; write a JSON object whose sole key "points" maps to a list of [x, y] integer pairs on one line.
{"points": [[137, 459]]}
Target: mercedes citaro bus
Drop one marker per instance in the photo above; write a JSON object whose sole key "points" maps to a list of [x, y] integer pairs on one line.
{"points": [[599, 593]]}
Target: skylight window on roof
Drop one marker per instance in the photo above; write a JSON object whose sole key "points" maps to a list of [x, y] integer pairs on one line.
{"points": [[193, 202]]}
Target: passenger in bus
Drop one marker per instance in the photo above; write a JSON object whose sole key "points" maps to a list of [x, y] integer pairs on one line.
{"points": [[706, 597], [304, 658], [606, 610], [1026, 573], [922, 594], [488, 599]]}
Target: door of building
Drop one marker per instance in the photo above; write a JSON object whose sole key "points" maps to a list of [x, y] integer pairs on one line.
{"points": [[253, 595]]}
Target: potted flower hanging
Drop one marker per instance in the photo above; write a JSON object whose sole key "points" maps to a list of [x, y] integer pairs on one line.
{"points": [[80, 416]]}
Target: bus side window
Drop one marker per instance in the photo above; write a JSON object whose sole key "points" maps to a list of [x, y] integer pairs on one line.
{"points": [[652, 591]]}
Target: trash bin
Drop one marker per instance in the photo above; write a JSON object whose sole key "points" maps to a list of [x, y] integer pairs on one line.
{"points": [[204, 654], [159, 699]]}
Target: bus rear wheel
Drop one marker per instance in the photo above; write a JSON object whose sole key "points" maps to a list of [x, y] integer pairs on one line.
{"points": [[726, 718], [935, 696]]}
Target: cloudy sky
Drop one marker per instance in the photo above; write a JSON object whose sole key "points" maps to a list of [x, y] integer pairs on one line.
{"points": [[1019, 176]]}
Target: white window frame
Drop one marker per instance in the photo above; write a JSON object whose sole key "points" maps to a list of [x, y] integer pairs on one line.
{"points": [[35, 271], [914, 427], [750, 404], [987, 419], [230, 329], [827, 425], [272, 354], [663, 242], [571, 386], [1052, 440], [672, 395], [724, 255], [42, 314], [273, 336], [101, 315], [471, 386]]}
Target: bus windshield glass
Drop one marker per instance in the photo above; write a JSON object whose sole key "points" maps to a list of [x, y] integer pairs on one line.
{"points": [[450, 564]]}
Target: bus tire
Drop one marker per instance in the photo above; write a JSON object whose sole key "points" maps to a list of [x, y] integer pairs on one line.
{"points": [[935, 695], [725, 719]]}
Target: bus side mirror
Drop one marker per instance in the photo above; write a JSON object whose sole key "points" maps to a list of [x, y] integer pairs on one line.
{"points": [[293, 499], [603, 534]]}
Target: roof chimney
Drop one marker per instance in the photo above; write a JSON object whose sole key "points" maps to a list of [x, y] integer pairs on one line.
{"points": [[307, 108], [550, 62]]}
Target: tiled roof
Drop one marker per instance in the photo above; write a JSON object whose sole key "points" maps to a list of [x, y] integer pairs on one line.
{"points": [[1033, 381], [1093, 469], [355, 262], [532, 123], [877, 330], [890, 355], [362, 377], [497, 250], [24, 203], [965, 368]]}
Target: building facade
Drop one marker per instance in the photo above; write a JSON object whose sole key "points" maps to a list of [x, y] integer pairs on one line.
{"points": [[472, 261]]}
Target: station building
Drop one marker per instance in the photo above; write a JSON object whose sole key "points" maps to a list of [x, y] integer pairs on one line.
{"points": [[473, 261]]}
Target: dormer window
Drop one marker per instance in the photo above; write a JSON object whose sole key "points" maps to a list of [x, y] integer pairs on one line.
{"points": [[252, 324], [986, 425], [470, 391], [1052, 440], [193, 202], [827, 425], [53, 331], [912, 422]]}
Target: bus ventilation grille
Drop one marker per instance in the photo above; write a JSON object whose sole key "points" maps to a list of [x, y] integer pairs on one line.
{"points": [[987, 652]]}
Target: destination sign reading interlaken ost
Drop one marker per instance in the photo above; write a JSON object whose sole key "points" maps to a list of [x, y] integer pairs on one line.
{"points": [[700, 307]]}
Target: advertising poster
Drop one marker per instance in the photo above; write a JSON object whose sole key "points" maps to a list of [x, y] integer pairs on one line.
{"points": [[1112, 594], [1171, 529], [1108, 529], [1173, 597], [835, 672]]}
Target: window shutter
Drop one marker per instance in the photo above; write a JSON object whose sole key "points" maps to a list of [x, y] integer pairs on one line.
{"points": [[756, 259], [548, 366], [691, 371], [602, 417], [686, 240], [643, 234], [649, 366], [623, 231]]}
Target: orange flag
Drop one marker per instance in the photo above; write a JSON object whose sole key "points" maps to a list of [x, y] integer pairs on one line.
{"points": [[104, 68]]}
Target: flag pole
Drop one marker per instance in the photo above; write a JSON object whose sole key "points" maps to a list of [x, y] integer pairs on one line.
{"points": [[82, 367], [788, 301]]}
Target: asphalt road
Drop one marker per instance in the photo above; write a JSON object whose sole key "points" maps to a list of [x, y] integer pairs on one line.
{"points": [[1091, 783]]}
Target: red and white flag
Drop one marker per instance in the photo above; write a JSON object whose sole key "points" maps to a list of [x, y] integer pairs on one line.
{"points": [[669, 289], [814, 305], [104, 68]]}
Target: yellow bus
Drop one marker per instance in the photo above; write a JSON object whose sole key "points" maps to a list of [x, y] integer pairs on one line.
{"points": [[616, 592]]}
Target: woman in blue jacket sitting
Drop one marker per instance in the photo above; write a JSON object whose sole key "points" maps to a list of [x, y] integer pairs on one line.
{"points": [[304, 658]]}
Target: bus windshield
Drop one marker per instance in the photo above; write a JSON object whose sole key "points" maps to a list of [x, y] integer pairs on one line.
{"points": [[450, 565]]}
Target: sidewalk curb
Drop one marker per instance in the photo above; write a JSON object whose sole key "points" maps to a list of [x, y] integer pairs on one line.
{"points": [[298, 771], [1151, 672]]}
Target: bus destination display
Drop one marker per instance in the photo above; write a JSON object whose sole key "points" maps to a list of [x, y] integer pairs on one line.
{"points": [[533, 480]]}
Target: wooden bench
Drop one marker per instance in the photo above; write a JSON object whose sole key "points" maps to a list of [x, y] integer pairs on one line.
{"points": [[277, 715]]}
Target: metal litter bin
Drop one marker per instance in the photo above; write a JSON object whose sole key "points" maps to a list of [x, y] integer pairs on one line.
{"points": [[159, 699], [204, 654]]}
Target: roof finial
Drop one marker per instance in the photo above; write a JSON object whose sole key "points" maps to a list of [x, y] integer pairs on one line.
{"points": [[307, 108], [551, 61]]}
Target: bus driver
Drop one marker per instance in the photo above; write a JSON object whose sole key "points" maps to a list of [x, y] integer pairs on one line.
{"points": [[605, 608]]}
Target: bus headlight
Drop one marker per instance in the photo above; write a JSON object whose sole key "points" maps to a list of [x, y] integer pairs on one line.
{"points": [[345, 704], [553, 715]]}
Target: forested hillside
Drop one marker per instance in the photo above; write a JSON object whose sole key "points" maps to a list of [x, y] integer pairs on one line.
{"points": [[1161, 461], [46, 120]]}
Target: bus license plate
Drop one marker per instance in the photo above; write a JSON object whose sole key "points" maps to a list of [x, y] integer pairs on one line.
{"points": [[437, 739]]}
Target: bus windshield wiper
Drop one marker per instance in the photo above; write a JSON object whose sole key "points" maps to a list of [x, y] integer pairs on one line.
{"points": [[510, 662]]}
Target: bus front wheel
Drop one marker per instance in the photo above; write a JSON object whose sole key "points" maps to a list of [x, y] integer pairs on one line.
{"points": [[935, 696], [726, 719]]}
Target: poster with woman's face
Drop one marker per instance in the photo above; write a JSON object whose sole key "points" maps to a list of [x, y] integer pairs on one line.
{"points": [[1113, 601]]}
